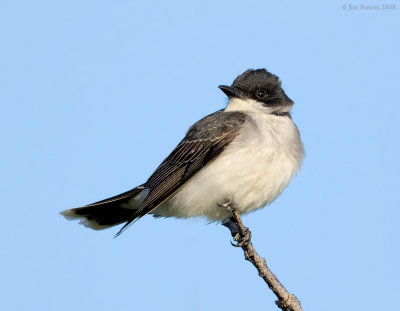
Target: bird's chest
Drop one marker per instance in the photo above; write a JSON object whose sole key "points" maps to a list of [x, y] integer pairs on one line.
{"points": [[262, 162]]}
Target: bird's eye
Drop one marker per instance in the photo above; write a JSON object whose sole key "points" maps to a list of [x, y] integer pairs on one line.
{"points": [[261, 94]]}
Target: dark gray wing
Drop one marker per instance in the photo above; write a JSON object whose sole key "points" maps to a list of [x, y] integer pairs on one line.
{"points": [[204, 140]]}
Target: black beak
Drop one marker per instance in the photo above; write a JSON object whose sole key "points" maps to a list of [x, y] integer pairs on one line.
{"points": [[230, 91]]}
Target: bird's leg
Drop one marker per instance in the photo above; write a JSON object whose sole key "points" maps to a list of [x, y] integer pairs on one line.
{"points": [[230, 224], [240, 233]]}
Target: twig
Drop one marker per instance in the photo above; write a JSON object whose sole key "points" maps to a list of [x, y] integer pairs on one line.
{"points": [[242, 235]]}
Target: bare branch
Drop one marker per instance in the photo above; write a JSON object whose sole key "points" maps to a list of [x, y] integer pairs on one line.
{"points": [[242, 235]]}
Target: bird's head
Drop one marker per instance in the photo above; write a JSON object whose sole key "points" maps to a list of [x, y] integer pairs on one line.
{"points": [[261, 89]]}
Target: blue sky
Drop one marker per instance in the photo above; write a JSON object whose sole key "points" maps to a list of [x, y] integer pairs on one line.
{"points": [[95, 94]]}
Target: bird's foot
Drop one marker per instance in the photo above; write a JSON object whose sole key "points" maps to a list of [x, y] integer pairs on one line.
{"points": [[244, 239], [240, 233]]}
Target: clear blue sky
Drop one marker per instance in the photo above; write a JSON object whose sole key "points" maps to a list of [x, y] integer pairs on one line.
{"points": [[94, 94]]}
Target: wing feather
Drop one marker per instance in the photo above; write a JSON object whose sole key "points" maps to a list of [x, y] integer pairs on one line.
{"points": [[203, 142]]}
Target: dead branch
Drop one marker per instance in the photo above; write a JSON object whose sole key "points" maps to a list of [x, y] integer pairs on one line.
{"points": [[242, 235]]}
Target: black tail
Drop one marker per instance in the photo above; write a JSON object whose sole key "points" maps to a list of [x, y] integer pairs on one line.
{"points": [[109, 212]]}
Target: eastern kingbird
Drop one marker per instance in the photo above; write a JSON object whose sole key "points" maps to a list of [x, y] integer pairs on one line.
{"points": [[246, 153]]}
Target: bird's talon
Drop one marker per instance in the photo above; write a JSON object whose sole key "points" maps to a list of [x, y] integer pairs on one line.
{"points": [[236, 237], [242, 240]]}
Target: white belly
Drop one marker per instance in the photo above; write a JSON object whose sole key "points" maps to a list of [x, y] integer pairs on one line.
{"points": [[251, 172]]}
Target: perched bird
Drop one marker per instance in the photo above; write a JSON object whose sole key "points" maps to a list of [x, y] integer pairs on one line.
{"points": [[246, 153]]}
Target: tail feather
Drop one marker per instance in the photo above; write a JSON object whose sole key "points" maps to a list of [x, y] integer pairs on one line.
{"points": [[109, 212]]}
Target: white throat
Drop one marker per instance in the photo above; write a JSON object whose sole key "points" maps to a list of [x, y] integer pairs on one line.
{"points": [[250, 105]]}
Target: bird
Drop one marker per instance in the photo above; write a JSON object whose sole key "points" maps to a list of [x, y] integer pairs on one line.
{"points": [[246, 153]]}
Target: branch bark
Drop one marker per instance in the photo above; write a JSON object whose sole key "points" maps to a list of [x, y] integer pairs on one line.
{"points": [[242, 235]]}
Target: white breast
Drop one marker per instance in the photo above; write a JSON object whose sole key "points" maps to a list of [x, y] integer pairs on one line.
{"points": [[251, 172]]}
